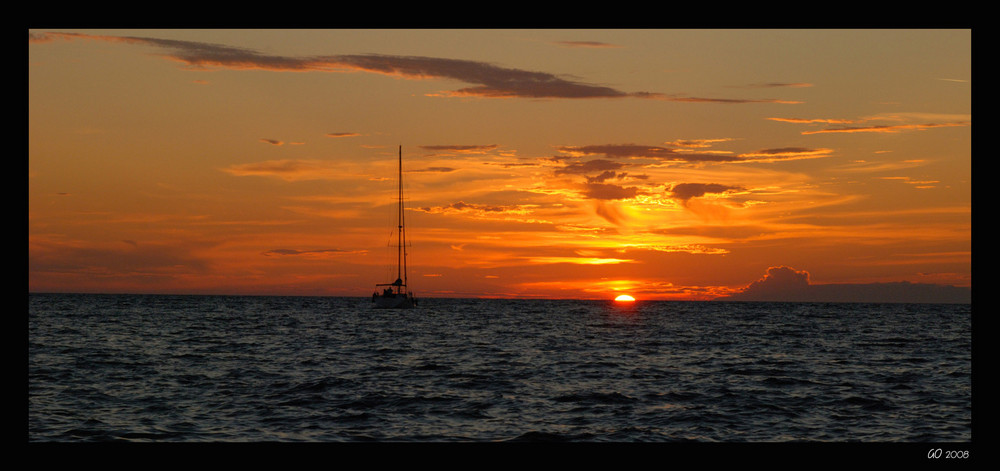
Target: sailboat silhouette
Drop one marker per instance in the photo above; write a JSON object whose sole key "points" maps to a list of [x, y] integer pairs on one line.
{"points": [[396, 295]]}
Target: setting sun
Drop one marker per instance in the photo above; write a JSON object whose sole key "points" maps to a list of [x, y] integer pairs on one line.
{"points": [[624, 298]]}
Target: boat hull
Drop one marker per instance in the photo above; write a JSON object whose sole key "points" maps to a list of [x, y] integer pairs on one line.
{"points": [[393, 302]]}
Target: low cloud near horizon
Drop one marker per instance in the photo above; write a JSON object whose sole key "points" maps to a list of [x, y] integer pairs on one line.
{"points": [[786, 284]]}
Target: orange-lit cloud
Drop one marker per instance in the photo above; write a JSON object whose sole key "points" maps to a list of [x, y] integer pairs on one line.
{"points": [[886, 128], [923, 184], [785, 153], [695, 143], [461, 149], [874, 128], [579, 260], [480, 209], [633, 151], [315, 252], [667, 154], [813, 120]]}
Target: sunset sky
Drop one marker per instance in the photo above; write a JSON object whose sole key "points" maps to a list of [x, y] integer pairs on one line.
{"points": [[665, 164]]}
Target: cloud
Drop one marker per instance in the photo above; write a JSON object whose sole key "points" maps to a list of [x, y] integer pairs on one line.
{"points": [[586, 44], [922, 184], [686, 191], [590, 166], [786, 284], [595, 186], [475, 209], [679, 248], [878, 128], [620, 151], [886, 128], [342, 134], [488, 80], [668, 154], [137, 263], [273, 142], [785, 153], [462, 149], [579, 260], [695, 143], [813, 120], [729, 101], [462, 205], [610, 213], [289, 170], [491, 81], [41, 38], [290, 252], [778, 280], [606, 175], [607, 191], [779, 85]]}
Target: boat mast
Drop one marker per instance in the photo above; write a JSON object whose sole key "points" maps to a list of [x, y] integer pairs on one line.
{"points": [[401, 251]]}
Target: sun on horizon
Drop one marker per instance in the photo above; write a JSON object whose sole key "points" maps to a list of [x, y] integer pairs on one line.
{"points": [[624, 298]]}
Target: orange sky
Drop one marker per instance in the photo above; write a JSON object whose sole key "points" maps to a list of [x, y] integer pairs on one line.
{"points": [[666, 164]]}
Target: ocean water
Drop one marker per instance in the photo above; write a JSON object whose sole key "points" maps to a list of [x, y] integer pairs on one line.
{"points": [[108, 368]]}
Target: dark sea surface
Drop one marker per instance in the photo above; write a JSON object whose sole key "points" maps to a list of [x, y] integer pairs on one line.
{"points": [[106, 368]]}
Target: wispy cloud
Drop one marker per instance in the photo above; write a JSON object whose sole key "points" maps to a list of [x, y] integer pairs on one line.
{"points": [[462, 206], [295, 252], [785, 153], [696, 143], [587, 44], [433, 170], [886, 128], [778, 85], [624, 151], [922, 184], [487, 80], [462, 149], [727, 101], [667, 154], [289, 169], [580, 260], [813, 120], [842, 124]]}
